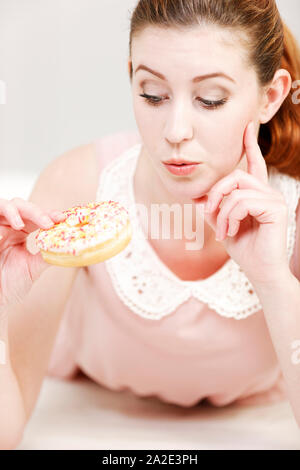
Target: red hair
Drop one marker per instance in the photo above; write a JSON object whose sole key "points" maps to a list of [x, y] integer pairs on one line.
{"points": [[270, 45]]}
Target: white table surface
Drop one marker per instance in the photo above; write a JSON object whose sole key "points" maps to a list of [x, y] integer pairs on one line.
{"points": [[81, 414]]}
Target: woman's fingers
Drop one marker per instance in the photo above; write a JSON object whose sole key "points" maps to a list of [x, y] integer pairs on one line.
{"points": [[236, 197], [57, 216], [17, 212], [238, 179]]}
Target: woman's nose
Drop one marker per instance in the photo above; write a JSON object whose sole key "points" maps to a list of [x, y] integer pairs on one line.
{"points": [[179, 126]]}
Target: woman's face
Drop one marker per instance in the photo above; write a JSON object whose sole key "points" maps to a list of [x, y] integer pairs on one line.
{"points": [[185, 121]]}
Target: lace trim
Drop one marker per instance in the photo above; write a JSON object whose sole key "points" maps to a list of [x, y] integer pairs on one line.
{"points": [[147, 286]]}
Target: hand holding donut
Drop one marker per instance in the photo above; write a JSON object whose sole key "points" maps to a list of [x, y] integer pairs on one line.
{"points": [[253, 217], [19, 268], [90, 234]]}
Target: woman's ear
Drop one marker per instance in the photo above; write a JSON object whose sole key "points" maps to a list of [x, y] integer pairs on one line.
{"points": [[129, 67], [274, 95]]}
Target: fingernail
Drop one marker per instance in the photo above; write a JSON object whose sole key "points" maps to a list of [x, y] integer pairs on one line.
{"points": [[58, 214], [18, 222], [47, 221]]}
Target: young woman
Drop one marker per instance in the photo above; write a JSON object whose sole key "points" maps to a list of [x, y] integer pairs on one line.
{"points": [[212, 84]]}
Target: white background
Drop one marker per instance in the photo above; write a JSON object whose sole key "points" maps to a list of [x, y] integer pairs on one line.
{"points": [[64, 63]]}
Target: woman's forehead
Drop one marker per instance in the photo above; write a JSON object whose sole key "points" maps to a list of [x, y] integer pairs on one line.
{"points": [[195, 36], [190, 46]]}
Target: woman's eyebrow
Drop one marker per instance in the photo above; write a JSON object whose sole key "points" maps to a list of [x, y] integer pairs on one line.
{"points": [[194, 80]]}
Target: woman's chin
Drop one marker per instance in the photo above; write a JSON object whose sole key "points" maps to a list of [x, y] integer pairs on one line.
{"points": [[187, 190]]}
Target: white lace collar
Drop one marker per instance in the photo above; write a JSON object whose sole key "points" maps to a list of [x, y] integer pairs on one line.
{"points": [[147, 286]]}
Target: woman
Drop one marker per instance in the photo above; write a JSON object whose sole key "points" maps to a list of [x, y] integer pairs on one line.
{"points": [[101, 317]]}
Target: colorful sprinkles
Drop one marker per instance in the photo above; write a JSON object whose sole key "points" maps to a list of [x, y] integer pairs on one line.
{"points": [[84, 227]]}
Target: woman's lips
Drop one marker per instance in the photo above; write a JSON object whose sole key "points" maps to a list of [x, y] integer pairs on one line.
{"points": [[181, 170]]}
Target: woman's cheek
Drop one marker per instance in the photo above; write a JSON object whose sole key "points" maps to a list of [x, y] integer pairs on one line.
{"points": [[228, 156], [145, 123], [234, 147]]}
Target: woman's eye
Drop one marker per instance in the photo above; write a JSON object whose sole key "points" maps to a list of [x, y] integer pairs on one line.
{"points": [[208, 104], [154, 100], [212, 104]]}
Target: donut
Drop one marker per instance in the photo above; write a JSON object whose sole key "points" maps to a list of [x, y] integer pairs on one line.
{"points": [[89, 234]]}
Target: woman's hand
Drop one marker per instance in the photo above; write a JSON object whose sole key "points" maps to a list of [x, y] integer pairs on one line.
{"points": [[18, 267], [253, 217]]}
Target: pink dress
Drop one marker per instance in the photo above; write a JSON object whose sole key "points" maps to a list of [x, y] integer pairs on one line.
{"points": [[130, 323]]}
